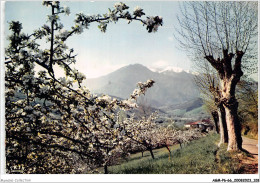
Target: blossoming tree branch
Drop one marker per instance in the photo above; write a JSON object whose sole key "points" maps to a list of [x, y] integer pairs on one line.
{"points": [[51, 127]]}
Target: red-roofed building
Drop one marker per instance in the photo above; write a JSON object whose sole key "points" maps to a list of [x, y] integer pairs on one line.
{"points": [[204, 124]]}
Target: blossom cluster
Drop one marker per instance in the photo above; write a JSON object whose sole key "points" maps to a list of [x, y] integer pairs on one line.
{"points": [[53, 126], [153, 23], [138, 12], [121, 6], [119, 12]]}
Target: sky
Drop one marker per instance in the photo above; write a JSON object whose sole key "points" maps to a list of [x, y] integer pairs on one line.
{"points": [[123, 44]]}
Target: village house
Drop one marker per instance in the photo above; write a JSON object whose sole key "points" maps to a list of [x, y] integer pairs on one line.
{"points": [[204, 125]]}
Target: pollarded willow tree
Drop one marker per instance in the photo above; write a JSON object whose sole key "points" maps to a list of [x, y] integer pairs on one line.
{"points": [[223, 33], [208, 83], [54, 125]]}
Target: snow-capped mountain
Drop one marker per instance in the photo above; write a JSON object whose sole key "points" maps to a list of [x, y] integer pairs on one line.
{"points": [[170, 70], [167, 68], [170, 87]]}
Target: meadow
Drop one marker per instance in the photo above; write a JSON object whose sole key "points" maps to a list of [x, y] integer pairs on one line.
{"points": [[201, 156]]}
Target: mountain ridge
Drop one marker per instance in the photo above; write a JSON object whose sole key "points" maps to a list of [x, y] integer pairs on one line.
{"points": [[170, 88]]}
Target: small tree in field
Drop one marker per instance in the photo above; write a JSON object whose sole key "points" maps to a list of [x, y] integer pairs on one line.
{"points": [[165, 137], [142, 132], [51, 127]]}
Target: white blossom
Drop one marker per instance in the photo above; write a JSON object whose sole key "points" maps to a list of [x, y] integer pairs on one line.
{"points": [[28, 78], [63, 81], [118, 6], [64, 46], [105, 97], [53, 18], [103, 26], [137, 8], [28, 129], [113, 16], [28, 108], [155, 27], [64, 33], [81, 76], [44, 89], [79, 28], [10, 91], [66, 10], [103, 119], [39, 54], [150, 21], [61, 25], [55, 3], [36, 113], [138, 11], [122, 132], [37, 105], [116, 125]]}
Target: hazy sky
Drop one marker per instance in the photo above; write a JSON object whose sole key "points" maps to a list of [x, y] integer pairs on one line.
{"points": [[122, 44]]}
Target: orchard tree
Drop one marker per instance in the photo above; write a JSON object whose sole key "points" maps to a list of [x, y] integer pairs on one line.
{"points": [[223, 33], [144, 108], [165, 137], [52, 126], [141, 132], [185, 136]]}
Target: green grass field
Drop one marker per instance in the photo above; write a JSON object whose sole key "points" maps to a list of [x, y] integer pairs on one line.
{"points": [[198, 157]]}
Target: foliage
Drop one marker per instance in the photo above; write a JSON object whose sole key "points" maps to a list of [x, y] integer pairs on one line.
{"points": [[57, 126], [248, 108]]}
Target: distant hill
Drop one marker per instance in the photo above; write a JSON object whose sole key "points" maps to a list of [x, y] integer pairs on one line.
{"points": [[170, 88]]}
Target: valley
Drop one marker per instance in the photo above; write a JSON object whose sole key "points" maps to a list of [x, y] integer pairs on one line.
{"points": [[174, 95]]}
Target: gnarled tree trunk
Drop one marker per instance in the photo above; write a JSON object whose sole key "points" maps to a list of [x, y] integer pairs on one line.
{"points": [[151, 152], [106, 169], [229, 77], [215, 117], [222, 125], [231, 105], [234, 127]]}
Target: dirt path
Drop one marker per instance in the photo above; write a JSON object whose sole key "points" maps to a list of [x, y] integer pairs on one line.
{"points": [[251, 163]]}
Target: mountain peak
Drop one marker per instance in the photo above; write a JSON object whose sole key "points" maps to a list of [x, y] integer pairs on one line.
{"points": [[172, 69], [168, 69], [135, 67], [171, 88]]}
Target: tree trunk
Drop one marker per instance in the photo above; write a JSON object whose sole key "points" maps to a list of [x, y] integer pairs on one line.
{"points": [[229, 77], [180, 144], [167, 147], [215, 117], [151, 151], [233, 126], [231, 105], [105, 169], [222, 125]]}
